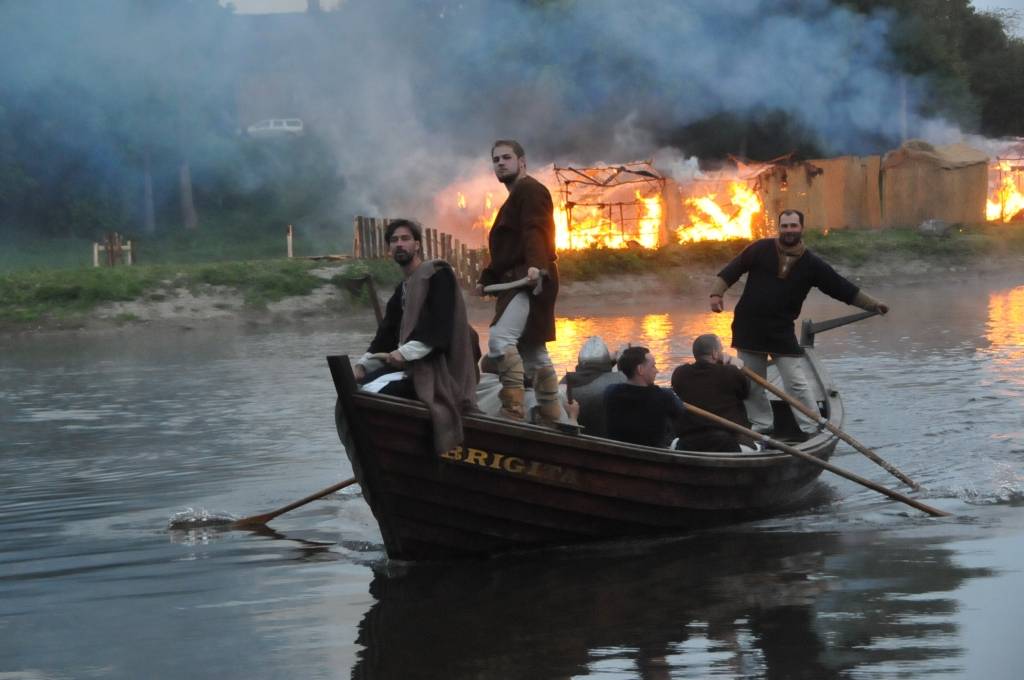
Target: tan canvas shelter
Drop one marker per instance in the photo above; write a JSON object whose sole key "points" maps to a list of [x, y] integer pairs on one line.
{"points": [[850, 192], [793, 186], [921, 181]]}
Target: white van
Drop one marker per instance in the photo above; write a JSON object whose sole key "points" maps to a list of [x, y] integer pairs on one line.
{"points": [[276, 127]]}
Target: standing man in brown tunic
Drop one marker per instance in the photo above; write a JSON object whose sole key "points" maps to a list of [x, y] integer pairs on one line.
{"points": [[522, 244]]}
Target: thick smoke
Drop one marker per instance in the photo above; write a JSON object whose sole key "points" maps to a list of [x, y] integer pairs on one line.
{"points": [[421, 89], [407, 95]]}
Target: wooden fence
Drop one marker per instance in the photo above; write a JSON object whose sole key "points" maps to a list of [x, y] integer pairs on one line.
{"points": [[369, 243], [114, 249]]}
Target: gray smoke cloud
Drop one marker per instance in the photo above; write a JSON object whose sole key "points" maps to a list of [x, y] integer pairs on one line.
{"points": [[407, 95], [430, 86]]}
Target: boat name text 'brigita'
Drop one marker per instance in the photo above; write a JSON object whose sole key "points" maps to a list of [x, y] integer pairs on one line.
{"points": [[512, 464]]}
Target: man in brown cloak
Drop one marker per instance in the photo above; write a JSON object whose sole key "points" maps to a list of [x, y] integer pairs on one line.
{"points": [[426, 339], [522, 245]]}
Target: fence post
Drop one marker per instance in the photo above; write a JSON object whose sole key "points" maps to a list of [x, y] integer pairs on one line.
{"points": [[288, 238]]}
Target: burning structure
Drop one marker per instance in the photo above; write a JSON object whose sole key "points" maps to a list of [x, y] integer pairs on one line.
{"points": [[609, 206], [1006, 186], [632, 205]]}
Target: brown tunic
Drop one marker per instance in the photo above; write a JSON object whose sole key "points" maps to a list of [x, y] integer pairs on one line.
{"points": [[523, 236]]}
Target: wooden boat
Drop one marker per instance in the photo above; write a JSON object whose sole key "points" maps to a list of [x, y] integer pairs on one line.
{"points": [[514, 486]]}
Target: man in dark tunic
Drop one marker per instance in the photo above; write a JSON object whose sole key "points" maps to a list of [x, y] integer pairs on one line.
{"points": [[780, 273], [522, 245], [423, 348], [712, 383], [638, 411]]}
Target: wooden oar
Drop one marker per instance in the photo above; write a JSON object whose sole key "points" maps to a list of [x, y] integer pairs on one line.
{"points": [[823, 422], [793, 451], [259, 520]]}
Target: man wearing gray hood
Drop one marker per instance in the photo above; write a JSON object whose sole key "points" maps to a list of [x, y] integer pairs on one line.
{"points": [[587, 383]]}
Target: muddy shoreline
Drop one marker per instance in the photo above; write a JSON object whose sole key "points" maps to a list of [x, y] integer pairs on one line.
{"points": [[217, 307]]}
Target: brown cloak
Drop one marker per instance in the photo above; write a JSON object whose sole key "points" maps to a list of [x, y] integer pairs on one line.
{"points": [[444, 381], [523, 236]]}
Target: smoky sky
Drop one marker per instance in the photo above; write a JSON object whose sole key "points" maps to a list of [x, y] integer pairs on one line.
{"points": [[433, 84], [407, 95]]}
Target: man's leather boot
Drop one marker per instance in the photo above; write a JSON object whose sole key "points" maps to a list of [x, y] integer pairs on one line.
{"points": [[510, 374], [545, 386]]}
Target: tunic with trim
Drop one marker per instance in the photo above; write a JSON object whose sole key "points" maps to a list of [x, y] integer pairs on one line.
{"points": [[523, 236], [770, 304]]}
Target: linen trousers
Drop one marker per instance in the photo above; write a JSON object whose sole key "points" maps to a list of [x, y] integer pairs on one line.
{"points": [[795, 383], [509, 328]]}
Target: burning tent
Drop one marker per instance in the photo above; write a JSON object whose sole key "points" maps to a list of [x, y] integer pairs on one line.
{"points": [[1006, 184], [720, 205], [612, 206], [921, 181]]}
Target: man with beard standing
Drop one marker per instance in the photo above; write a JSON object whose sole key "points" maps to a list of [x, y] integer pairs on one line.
{"points": [[522, 245], [423, 348], [780, 273]]}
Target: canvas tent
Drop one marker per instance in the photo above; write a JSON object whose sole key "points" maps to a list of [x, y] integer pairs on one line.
{"points": [[921, 181]]}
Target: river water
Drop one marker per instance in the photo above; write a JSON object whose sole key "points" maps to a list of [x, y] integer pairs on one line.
{"points": [[106, 437]]}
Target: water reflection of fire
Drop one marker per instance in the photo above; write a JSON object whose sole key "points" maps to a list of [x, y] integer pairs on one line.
{"points": [[668, 336], [1006, 323], [1006, 198]]}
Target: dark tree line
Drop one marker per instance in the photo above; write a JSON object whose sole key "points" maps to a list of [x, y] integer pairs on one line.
{"points": [[968, 68]]}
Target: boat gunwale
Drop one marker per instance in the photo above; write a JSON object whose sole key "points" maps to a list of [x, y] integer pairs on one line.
{"points": [[821, 449]]}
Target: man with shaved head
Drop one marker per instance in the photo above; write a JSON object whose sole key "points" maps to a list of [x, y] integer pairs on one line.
{"points": [[714, 384]]}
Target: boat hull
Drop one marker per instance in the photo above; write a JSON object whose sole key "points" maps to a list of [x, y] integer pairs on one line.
{"points": [[513, 487]]}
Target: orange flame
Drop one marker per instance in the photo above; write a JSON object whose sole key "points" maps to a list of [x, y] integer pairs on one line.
{"points": [[710, 221], [1006, 201], [593, 227]]}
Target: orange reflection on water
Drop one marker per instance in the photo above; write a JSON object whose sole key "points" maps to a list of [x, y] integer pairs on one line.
{"points": [[1005, 328], [668, 335]]}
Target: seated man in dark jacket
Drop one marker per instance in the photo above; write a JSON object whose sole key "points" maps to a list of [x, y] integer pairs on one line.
{"points": [[638, 411], [712, 384]]}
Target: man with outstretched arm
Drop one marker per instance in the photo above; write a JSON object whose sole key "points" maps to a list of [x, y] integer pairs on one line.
{"points": [[780, 272], [522, 245], [423, 348]]}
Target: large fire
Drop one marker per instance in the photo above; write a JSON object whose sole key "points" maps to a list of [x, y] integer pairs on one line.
{"points": [[613, 207], [595, 227], [710, 220], [1006, 201]]}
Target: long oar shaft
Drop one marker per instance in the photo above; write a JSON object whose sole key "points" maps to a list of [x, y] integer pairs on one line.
{"points": [[816, 417], [256, 520], [793, 451]]}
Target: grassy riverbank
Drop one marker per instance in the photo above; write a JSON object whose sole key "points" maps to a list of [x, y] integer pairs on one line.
{"points": [[64, 297], [850, 248]]}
